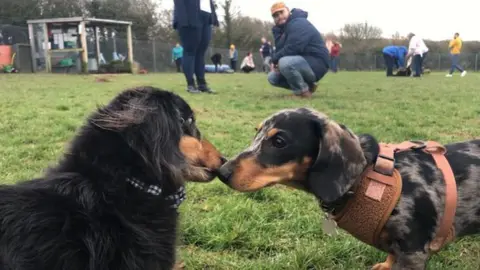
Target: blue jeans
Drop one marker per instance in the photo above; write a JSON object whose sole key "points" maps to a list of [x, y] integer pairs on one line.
{"points": [[195, 42], [334, 63], [455, 58], [417, 65], [389, 63], [294, 74]]}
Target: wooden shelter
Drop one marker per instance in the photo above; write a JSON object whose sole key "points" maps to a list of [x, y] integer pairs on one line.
{"points": [[43, 26]]}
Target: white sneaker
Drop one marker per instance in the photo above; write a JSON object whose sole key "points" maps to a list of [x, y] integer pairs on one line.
{"points": [[449, 75], [463, 73]]}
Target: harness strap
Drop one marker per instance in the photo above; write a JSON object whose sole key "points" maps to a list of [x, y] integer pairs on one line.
{"points": [[446, 231], [385, 164]]}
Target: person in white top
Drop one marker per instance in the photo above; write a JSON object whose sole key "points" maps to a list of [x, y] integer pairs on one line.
{"points": [[418, 50], [247, 64]]}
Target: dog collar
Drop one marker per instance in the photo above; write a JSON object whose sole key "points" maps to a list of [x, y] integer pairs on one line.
{"points": [[176, 199]]}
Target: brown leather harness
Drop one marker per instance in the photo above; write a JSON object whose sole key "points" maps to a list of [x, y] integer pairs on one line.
{"points": [[377, 194]]}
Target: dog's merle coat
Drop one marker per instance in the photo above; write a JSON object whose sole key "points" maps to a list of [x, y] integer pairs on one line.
{"points": [[307, 150], [85, 213]]}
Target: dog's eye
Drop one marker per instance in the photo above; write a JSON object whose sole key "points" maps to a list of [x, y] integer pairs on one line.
{"points": [[278, 142], [190, 120]]}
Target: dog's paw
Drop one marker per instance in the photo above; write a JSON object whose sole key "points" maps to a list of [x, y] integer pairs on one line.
{"points": [[179, 266], [382, 266]]}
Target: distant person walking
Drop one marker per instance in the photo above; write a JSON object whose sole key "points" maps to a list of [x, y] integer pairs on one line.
{"points": [[455, 47], [233, 57], [334, 56], [193, 19], [177, 55]]}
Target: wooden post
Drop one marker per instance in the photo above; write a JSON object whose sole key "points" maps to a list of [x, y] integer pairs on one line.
{"points": [[31, 37], [130, 47], [476, 61], [83, 40], [97, 42], [48, 61], [154, 49], [439, 62]]}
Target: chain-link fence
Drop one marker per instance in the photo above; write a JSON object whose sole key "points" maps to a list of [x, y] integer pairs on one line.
{"points": [[10, 34], [156, 56]]}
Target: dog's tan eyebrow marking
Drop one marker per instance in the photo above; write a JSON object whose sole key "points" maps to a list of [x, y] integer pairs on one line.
{"points": [[272, 132]]}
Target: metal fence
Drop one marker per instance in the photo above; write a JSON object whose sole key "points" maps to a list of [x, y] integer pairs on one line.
{"points": [[156, 56]]}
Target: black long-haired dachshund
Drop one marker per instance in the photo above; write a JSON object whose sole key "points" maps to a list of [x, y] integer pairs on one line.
{"points": [[111, 202]]}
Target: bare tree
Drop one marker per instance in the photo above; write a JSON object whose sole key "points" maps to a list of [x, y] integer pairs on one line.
{"points": [[230, 13], [360, 31]]}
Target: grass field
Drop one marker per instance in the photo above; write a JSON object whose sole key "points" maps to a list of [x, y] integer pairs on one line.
{"points": [[276, 228]]}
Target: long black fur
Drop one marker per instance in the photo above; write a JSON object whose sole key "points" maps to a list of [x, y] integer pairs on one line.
{"points": [[82, 214]]}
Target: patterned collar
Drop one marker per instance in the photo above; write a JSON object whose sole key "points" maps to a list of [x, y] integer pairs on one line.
{"points": [[176, 199]]}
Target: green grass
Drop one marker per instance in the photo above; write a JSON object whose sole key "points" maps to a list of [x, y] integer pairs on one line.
{"points": [[276, 228]]}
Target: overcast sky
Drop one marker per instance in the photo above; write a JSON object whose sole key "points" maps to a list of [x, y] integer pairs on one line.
{"points": [[439, 19]]}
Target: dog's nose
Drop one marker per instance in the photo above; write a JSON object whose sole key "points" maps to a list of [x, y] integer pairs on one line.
{"points": [[223, 160], [225, 173]]}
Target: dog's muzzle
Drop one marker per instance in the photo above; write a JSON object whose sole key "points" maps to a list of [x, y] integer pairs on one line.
{"points": [[225, 172]]}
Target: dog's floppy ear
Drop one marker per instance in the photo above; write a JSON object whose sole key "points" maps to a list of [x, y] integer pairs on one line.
{"points": [[121, 113], [150, 125], [339, 162]]}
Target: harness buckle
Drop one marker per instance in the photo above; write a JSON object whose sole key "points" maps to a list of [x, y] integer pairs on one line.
{"points": [[421, 145], [382, 168]]}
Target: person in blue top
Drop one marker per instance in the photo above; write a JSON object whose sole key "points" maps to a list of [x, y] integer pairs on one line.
{"points": [[394, 56], [193, 20], [177, 55], [301, 58]]}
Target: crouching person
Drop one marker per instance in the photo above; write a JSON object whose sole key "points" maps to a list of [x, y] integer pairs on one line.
{"points": [[301, 58], [394, 56]]}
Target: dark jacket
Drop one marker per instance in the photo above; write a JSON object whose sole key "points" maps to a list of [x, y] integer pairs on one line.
{"points": [[266, 50], [186, 13], [216, 59], [299, 37]]}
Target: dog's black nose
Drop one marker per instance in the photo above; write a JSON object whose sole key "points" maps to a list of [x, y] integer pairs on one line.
{"points": [[223, 160], [224, 173]]}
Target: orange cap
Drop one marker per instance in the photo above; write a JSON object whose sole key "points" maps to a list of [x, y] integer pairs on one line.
{"points": [[279, 6]]}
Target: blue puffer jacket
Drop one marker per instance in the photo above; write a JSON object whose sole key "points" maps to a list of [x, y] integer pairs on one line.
{"points": [[299, 37], [397, 52]]}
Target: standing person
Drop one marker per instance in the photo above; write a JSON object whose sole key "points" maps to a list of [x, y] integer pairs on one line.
{"points": [[272, 48], [266, 52], [177, 55], [334, 55], [247, 64], [301, 58], [233, 57], [418, 50], [455, 47], [193, 19], [394, 56]]}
